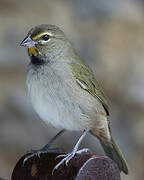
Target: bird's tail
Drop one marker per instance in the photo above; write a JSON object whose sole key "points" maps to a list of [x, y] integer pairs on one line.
{"points": [[112, 150]]}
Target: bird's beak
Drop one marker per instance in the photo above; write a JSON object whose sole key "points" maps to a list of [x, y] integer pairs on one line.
{"points": [[27, 42]]}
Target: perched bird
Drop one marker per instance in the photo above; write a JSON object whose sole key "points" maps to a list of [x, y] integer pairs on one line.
{"points": [[64, 91]]}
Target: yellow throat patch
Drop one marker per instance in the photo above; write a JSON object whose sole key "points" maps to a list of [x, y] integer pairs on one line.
{"points": [[32, 50]]}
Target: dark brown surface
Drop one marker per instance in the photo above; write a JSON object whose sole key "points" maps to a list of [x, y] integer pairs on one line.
{"points": [[100, 168], [81, 167]]}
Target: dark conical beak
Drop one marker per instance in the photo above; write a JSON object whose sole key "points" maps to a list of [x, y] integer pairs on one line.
{"points": [[27, 42]]}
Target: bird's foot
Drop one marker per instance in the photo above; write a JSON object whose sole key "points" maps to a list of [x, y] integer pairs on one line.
{"points": [[45, 149], [68, 157]]}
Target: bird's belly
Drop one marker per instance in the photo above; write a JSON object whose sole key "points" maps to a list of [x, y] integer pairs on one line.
{"points": [[54, 105], [60, 113], [59, 100]]}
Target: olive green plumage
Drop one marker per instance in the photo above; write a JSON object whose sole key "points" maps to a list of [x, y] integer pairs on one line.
{"points": [[64, 91], [115, 154], [84, 76], [87, 81]]}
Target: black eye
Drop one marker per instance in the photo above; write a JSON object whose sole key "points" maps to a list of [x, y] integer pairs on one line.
{"points": [[45, 37]]}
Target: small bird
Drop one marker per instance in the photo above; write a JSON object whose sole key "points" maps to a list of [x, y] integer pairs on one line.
{"points": [[65, 93]]}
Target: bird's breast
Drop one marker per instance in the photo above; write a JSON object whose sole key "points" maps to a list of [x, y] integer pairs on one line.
{"points": [[52, 98]]}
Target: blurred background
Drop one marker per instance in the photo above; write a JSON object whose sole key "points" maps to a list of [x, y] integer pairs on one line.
{"points": [[109, 36]]}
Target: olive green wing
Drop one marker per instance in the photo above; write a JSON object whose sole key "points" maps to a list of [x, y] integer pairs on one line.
{"points": [[86, 80]]}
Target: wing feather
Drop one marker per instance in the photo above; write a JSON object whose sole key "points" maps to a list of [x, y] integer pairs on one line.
{"points": [[86, 80]]}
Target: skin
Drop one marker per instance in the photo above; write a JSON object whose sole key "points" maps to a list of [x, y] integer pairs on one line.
{"points": [[64, 91]]}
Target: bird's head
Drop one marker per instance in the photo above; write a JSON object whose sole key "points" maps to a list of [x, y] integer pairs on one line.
{"points": [[45, 41]]}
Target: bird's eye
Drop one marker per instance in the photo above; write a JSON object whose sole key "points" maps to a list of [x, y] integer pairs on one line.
{"points": [[45, 37]]}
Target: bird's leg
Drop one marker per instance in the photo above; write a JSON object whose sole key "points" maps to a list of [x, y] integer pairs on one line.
{"points": [[45, 149], [69, 156], [53, 139]]}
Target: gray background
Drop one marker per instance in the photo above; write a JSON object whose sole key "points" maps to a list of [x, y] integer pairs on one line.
{"points": [[109, 36]]}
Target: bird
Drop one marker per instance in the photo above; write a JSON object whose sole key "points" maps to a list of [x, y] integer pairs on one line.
{"points": [[65, 93]]}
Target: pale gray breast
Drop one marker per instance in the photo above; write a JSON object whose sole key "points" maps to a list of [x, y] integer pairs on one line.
{"points": [[59, 100]]}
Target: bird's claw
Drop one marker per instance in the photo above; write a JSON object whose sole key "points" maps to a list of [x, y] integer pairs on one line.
{"points": [[27, 158], [38, 153], [68, 157], [61, 155], [83, 150]]}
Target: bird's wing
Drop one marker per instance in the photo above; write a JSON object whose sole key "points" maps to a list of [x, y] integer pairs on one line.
{"points": [[86, 80]]}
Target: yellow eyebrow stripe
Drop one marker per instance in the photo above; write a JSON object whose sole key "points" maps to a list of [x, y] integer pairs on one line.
{"points": [[35, 37]]}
